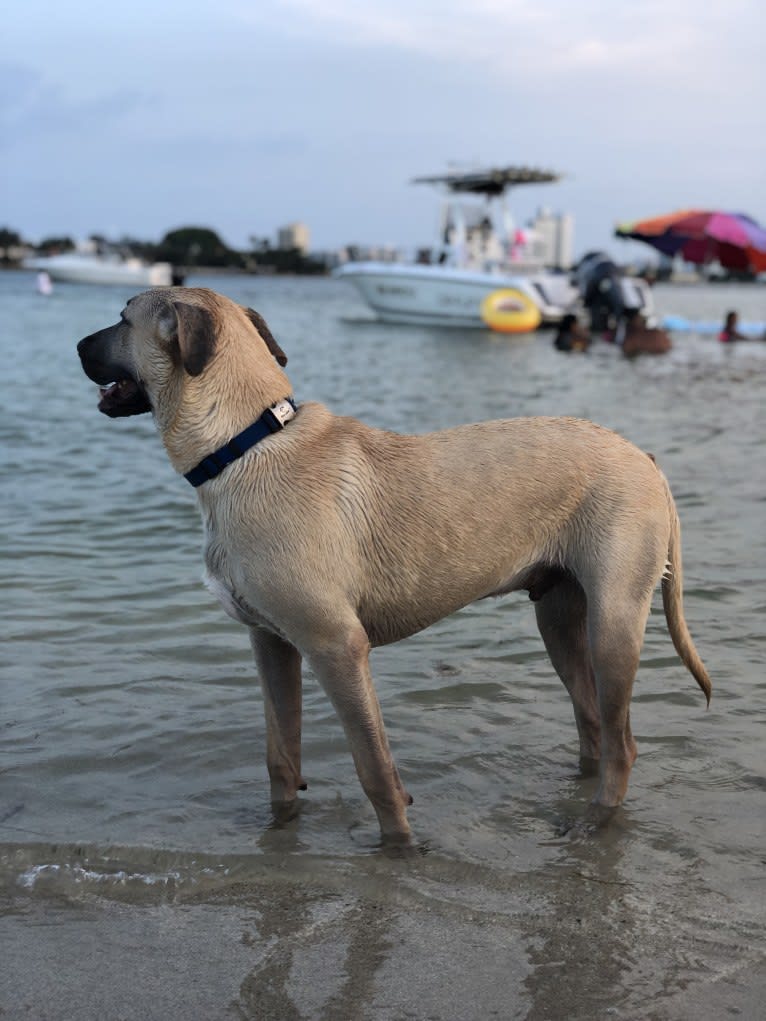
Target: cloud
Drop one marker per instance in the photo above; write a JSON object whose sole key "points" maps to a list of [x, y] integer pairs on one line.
{"points": [[34, 106], [251, 114], [545, 41]]}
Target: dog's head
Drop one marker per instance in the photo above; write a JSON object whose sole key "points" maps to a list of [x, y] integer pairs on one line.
{"points": [[164, 336]]}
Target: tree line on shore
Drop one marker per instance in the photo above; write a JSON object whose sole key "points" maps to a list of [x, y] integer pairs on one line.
{"points": [[185, 247]]}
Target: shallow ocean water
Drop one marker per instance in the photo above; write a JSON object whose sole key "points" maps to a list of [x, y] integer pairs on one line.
{"points": [[132, 739]]}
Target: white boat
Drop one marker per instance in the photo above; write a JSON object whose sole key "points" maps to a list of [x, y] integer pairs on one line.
{"points": [[473, 259], [449, 295], [83, 267]]}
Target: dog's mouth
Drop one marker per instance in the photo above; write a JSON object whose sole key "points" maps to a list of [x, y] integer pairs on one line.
{"points": [[123, 397]]}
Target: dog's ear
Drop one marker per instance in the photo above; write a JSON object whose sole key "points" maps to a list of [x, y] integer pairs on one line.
{"points": [[196, 335], [260, 324]]}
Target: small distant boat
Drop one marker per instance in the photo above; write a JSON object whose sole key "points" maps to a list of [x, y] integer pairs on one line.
{"points": [[83, 267], [44, 285], [474, 258]]}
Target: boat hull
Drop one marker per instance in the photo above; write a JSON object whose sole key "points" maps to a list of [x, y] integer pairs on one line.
{"points": [[444, 296], [129, 272]]}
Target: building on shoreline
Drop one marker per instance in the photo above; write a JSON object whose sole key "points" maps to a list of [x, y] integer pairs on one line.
{"points": [[294, 237]]}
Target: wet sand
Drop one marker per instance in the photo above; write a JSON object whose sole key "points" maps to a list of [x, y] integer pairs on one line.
{"points": [[379, 937]]}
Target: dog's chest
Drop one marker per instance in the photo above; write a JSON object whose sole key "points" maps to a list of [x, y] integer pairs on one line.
{"points": [[226, 582], [231, 601]]}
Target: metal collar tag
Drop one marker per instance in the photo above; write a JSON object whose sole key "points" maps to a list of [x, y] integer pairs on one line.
{"points": [[283, 411]]}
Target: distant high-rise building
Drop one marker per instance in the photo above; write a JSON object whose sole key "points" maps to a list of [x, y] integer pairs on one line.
{"points": [[294, 235], [554, 238]]}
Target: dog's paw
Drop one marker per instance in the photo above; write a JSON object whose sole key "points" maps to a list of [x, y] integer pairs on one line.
{"points": [[284, 812], [404, 851], [596, 818]]}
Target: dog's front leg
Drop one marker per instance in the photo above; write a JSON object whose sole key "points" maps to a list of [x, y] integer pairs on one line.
{"points": [[279, 668], [342, 666]]}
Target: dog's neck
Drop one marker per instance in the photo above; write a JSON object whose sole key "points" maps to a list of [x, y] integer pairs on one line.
{"points": [[273, 420], [196, 426]]}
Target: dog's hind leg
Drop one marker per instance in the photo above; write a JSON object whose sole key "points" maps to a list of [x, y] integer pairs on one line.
{"points": [[279, 668], [562, 619], [341, 662], [618, 608]]}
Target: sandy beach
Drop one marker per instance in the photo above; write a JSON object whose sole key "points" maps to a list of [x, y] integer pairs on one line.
{"points": [[384, 937]]}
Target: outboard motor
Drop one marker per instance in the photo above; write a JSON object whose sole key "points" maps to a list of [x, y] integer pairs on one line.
{"points": [[609, 295]]}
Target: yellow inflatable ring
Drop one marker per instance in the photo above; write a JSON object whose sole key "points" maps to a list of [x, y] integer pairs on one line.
{"points": [[510, 311]]}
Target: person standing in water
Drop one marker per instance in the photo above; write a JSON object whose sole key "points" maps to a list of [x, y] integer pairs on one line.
{"points": [[730, 333], [571, 336]]}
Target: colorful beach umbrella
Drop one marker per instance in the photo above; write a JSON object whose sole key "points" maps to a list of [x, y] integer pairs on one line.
{"points": [[702, 236]]}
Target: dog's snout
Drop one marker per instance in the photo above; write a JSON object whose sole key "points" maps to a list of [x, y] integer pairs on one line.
{"points": [[89, 343], [96, 356], [82, 347], [91, 358]]}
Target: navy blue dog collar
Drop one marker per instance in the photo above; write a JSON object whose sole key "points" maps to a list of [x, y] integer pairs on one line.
{"points": [[271, 421]]}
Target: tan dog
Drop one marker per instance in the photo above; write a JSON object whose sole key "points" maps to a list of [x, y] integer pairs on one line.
{"points": [[328, 537]]}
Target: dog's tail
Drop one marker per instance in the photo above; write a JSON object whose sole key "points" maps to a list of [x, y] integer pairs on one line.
{"points": [[672, 601]]}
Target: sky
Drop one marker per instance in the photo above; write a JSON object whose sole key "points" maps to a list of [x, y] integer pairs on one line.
{"points": [[245, 115]]}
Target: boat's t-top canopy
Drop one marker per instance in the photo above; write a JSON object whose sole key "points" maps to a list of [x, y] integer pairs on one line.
{"points": [[491, 182]]}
